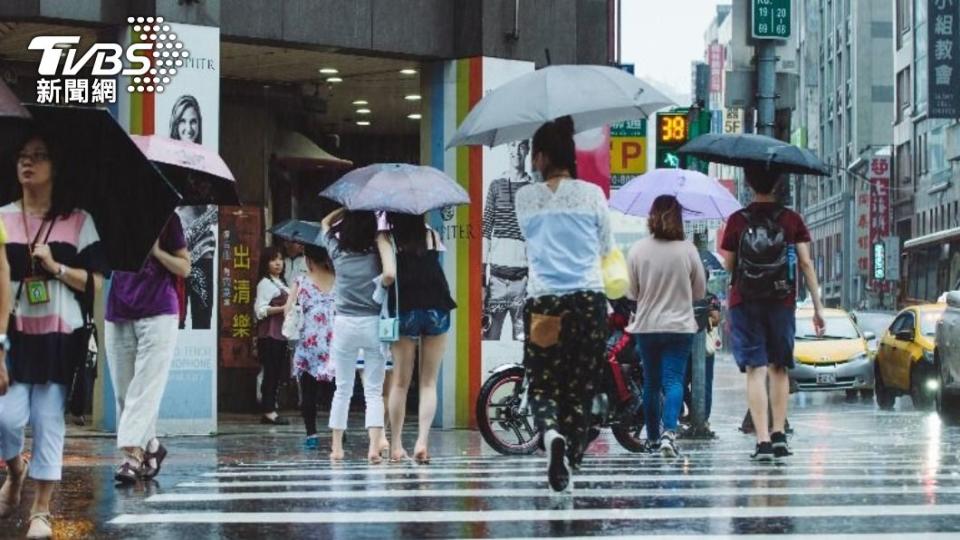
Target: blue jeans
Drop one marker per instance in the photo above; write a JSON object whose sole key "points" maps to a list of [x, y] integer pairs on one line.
{"points": [[664, 366]]}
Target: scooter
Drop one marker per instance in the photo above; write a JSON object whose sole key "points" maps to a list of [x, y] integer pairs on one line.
{"points": [[507, 425]]}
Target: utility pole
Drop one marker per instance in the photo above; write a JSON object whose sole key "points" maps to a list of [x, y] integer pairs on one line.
{"points": [[766, 86]]}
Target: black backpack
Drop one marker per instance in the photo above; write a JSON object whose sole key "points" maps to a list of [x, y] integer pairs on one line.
{"points": [[762, 271]]}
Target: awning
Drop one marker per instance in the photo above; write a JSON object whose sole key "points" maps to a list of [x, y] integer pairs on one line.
{"points": [[932, 238], [296, 151]]}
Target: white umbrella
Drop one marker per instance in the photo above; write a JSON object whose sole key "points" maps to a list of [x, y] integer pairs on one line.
{"points": [[397, 187], [593, 95]]}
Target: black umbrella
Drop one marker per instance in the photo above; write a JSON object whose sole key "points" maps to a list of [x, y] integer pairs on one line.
{"points": [[301, 232], [108, 176], [747, 149]]}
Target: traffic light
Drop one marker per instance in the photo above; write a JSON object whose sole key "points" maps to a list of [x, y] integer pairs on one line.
{"points": [[674, 129]]}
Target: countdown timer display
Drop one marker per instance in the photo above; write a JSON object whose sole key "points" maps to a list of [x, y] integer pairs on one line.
{"points": [[672, 129]]}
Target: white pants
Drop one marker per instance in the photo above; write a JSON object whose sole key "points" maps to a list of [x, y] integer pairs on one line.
{"points": [[353, 336], [43, 406], [139, 354]]}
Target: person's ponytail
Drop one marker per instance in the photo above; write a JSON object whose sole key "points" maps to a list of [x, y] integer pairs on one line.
{"points": [[555, 141]]}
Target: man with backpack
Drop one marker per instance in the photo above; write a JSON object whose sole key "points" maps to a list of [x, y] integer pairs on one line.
{"points": [[764, 245]]}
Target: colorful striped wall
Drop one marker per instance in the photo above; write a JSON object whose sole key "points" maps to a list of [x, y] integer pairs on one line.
{"points": [[449, 91]]}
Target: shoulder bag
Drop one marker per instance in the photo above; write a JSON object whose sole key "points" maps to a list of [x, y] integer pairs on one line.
{"points": [[86, 351], [389, 327]]}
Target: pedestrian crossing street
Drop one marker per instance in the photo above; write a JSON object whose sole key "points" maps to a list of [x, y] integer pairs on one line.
{"points": [[860, 492]]}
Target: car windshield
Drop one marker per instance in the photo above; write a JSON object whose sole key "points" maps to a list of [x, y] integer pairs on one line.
{"points": [[837, 328], [928, 322]]}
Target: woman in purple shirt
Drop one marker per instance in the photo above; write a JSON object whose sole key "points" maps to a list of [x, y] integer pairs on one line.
{"points": [[142, 315]]}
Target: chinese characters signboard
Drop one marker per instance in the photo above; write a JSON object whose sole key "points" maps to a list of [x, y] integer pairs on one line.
{"points": [[240, 229], [879, 212], [942, 58], [771, 19], [715, 58], [862, 251], [628, 151]]}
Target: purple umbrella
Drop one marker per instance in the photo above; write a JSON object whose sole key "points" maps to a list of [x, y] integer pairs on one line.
{"points": [[701, 196]]}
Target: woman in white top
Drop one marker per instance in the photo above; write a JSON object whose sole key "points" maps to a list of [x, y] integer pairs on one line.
{"points": [[567, 226], [272, 293]]}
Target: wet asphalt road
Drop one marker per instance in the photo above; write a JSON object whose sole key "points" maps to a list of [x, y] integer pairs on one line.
{"points": [[857, 471]]}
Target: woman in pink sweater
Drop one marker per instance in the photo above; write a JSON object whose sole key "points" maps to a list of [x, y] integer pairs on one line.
{"points": [[666, 277]]}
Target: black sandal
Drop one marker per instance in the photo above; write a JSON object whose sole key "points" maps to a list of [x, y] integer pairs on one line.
{"points": [[160, 455], [127, 474]]}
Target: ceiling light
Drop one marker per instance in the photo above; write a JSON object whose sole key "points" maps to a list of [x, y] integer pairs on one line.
{"points": [[408, 71], [415, 116], [361, 102], [412, 97], [329, 71], [363, 122], [334, 79], [363, 111]]}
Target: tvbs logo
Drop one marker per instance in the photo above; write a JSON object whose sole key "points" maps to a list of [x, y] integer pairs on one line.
{"points": [[150, 61]]}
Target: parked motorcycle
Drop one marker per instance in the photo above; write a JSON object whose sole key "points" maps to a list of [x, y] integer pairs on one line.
{"points": [[507, 424]]}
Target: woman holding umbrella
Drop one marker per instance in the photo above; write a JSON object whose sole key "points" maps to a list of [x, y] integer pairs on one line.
{"points": [[55, 253], [424, 307], [666, 277], [566, 310]]}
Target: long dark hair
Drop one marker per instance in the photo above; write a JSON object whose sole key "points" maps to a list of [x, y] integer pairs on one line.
{"points": [[555, 141], [666, 218], [409, 231], [357, 231], [318, 256], [62, 202], [268, 255]]}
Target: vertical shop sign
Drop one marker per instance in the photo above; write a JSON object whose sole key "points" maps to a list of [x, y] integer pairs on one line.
{"points": [[240, 237], [943, 33], [879, 211]]}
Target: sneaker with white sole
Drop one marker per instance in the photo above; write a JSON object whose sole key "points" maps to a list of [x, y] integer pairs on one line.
{"points": [[764, 452], [558, 466], [780, 448], [668, 445]]}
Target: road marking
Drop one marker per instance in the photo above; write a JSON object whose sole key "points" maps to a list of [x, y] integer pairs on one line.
{"points": [[760, 471], [532, 477], [815, 536], [655, 493], [591, 514]]}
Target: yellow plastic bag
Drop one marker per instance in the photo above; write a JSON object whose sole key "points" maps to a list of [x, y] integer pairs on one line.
{"points": [[615, 278]]}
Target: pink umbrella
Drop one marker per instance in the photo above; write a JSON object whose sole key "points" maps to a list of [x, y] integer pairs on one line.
{"points": [[197, 172]]}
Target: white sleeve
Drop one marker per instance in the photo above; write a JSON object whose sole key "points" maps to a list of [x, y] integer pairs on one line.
{"points": [[266, 292], [605, 229]]}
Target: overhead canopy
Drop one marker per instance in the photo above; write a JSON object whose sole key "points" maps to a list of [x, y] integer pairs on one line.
{"points": [[296, 151]]}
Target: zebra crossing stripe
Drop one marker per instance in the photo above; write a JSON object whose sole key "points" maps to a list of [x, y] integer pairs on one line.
{"points": [[543, 493], [532, 477], [490, 516], [761, 471]]}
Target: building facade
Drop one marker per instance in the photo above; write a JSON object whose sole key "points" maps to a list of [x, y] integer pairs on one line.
{"points": [[844, 113], [927, 150], [362, 81]]}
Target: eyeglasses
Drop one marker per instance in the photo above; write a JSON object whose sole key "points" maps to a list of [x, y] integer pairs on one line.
{"points": [[35, 157]]}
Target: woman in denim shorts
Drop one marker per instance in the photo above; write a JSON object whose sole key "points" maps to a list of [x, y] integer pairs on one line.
{"points": [[424, 311]]}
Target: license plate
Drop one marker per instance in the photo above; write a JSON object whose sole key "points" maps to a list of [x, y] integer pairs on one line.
{"points": [[826, 378]]}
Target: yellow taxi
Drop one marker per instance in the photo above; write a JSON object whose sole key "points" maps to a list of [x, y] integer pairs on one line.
{"points": [[838, 360], [905, 358]]}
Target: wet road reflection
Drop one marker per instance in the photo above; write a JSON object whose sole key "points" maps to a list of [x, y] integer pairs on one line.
{"points": [[857, 470]]}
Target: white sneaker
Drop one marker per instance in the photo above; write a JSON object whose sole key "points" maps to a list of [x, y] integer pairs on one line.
{"points": [[558, 466], [668, 446]]}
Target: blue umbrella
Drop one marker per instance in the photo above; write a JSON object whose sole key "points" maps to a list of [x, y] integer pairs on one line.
{"points": [[701, 196], [397, 187], [295, 230]]}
